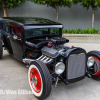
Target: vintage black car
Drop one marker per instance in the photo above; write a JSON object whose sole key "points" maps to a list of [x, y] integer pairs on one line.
{"points": [[38, 43]]}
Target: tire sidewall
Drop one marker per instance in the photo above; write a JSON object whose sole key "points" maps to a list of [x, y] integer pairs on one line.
{"points": [[97, 55], [93, 54], [40, 93], [45, 77]]}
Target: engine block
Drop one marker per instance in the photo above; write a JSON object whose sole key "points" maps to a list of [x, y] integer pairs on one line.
{"points": [[50, 52]]}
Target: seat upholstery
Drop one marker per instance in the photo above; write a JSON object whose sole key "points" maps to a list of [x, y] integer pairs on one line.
{"points": [[36, 46]]}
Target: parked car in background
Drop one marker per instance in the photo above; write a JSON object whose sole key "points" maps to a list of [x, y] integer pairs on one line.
{"points": [[38, 43]]}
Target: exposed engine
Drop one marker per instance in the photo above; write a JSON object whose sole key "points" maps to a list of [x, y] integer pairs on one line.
{"points": [[50, 52], [54, 49]]}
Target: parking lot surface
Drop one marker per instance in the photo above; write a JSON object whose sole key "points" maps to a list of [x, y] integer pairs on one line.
{"points": [[13, 76]]}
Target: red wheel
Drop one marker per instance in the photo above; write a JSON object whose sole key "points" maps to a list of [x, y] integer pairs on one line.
{"points": [[39, 80], [35, 80], [94, 67]]}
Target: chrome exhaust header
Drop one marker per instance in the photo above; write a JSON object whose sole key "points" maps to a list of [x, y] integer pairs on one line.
{"points": [[28, 61]]}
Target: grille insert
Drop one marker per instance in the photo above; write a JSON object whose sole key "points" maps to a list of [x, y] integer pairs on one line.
{"points": [[76, 66]]}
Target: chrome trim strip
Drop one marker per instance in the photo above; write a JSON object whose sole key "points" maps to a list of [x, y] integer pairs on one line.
{"points": [[44, 26]]}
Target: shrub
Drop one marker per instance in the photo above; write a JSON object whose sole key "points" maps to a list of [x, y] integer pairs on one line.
{"points": [[80, 31]]}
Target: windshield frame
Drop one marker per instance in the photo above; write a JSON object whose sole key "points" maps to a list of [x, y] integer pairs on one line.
{"points": [[59, 35]]}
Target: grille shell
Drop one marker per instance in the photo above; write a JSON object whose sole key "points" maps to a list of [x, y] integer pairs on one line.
{"points": [[76, 66]]}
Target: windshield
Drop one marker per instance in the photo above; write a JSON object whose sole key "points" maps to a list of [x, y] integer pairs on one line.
{"points": [[42, 31]]}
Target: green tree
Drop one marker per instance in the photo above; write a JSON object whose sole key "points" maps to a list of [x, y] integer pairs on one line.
{"points": [[10, 3], [55, 4], [94, 4]]}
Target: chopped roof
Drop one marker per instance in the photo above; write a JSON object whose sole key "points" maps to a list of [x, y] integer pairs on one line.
{"points": [[31, 20]]}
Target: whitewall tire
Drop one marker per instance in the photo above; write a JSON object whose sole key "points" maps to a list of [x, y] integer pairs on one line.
{"points": [[39, 80]]}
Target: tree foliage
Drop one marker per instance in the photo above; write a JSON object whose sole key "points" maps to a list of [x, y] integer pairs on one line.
{"points": [[53, 3], [91, 3], [76, 1], [94, 4], [12, 3]]}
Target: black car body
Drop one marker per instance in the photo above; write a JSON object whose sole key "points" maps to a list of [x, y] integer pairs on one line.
{"points": [[38, 43]]}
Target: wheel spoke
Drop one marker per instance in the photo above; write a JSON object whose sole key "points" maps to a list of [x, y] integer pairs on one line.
{"points": [[35, 79]]}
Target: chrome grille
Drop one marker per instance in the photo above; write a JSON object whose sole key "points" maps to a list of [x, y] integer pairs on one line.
{"points": [[76, 66]]}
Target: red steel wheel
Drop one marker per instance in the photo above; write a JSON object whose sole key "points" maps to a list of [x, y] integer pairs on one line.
{"points": [[39, 80], [95, 68], [35, 80]]}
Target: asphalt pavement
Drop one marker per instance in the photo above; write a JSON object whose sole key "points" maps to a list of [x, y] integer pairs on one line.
{"points": [[13, 77]]}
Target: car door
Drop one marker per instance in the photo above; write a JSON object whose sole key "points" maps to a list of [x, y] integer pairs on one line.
{"points": [[2, 28], [16, 42]]}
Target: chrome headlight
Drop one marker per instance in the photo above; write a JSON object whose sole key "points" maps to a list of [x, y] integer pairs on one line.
{"points": [[59, 68], [90, 61]]}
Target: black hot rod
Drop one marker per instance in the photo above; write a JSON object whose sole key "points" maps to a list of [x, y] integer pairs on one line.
{"points": [[38, 43]]}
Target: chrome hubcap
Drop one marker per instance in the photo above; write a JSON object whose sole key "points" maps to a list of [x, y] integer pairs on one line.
{"points": [[34, 79]]}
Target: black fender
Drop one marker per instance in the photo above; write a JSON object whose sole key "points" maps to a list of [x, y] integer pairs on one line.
{"points": [[74, 51]]}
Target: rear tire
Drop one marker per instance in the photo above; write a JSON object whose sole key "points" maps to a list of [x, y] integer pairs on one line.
{"points": [[95, 74], [1, 49], [39, 80]]}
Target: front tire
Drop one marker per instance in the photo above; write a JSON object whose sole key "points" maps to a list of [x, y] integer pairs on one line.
{"points": [[1, 49], [39, 79], [95, 69]]}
